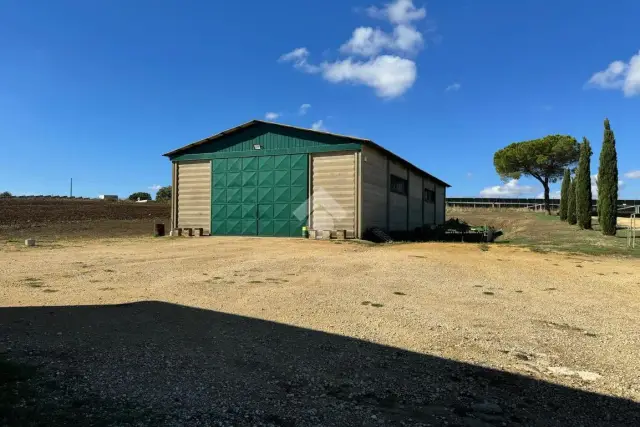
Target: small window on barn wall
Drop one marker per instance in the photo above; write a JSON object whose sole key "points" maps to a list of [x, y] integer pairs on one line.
{"points": [[399, 185], [429, 196]]}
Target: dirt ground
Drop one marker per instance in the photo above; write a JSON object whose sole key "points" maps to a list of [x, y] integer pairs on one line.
{"points": [[54, 219], [259, 331], [626, 222], [24, 212]]}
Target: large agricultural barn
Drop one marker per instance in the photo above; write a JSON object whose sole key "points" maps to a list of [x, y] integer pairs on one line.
{"points": [[268, 179]]}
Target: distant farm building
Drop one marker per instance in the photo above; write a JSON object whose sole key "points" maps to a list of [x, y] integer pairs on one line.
{"points": [[108, 197], [268, 179]]}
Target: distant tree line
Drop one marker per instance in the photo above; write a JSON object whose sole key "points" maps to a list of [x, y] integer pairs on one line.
{"points": [[554, 157], [162, 195]]}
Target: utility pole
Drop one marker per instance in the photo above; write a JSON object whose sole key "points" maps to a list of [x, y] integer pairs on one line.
{"points": [[71, 188]]}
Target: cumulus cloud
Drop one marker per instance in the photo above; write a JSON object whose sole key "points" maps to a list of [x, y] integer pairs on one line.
{"points": [[453, 87], [390, 76], [398, 12], [303, 109], [510, 189], [632, 174], [385, 67], [319, 125], [298, 57], [619, 75], [271, 115], [155, 187], [368, 41]]}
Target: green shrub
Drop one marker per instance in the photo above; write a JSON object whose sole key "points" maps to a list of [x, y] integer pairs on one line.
{"points": [[141, 195], [571, 203], [608, 183], [583, 186], [164, 194], [564, 194]]}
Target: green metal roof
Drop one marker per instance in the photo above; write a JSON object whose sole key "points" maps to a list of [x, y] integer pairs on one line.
{"points": [[346, 137]]}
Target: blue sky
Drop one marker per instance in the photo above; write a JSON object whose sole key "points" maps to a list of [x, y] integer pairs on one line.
{"points": [[99, 90]]}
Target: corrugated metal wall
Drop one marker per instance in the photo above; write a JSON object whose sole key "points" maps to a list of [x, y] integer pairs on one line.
{"points": [[193, 196], [398, 202], [391, 211], [271, 139], [440, 204], [374, 189], [416, 195], [334, 191], [429, 207]]}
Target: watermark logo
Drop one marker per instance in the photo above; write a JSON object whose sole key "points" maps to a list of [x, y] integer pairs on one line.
{"points": [[322, 205]]}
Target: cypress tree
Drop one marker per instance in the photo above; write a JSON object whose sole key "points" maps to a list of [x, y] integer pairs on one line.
{"points": [[583, 186], [608, 183], [571, 203], [564, 194]]}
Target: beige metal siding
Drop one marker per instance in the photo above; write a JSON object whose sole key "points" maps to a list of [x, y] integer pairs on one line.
{"points": [[416, 191], [174, 194], [397, 202], [334, 192], [429, 208], [359, 195], [429, 213], [374, 189], [194, 195], [397, 169], [440, 204]]}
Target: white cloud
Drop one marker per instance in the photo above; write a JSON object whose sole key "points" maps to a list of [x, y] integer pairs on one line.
{"points": [[632, 174], [303, 109], [271, 115], [611, 78], [407, 39], [367, 41], [319, 125], [619, 75], [453, 87], [398, 12], [299, 54], [632, 82], [509, 189], [155, 187], [390, 76], [299, 58]]}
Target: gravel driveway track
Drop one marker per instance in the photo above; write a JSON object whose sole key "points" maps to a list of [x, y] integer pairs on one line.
{"points": [[242, 331]]}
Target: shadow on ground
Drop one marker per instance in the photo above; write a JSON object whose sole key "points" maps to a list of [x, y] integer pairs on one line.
{"points": [[154, 363]]}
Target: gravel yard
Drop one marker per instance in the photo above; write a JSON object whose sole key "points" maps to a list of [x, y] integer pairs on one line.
{"points": [[284, 332]]}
